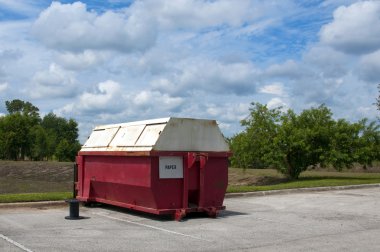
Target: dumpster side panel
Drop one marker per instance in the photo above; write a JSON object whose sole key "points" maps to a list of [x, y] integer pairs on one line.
{"points": [[167, 191], [118, 178], [124, 170], [121, 193]]}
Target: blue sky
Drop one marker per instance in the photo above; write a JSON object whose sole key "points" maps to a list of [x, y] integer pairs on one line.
{"points": [[117, 61]]}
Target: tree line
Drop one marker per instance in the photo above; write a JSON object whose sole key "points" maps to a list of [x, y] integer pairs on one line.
{"points": [[24, 135], [291, 142]]}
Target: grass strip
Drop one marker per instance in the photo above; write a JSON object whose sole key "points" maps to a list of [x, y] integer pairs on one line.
{"points": [[32, 197], [272, 180], [306, 182]]}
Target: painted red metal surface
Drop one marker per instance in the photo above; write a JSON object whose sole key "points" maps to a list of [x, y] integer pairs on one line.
{"points": [[133, 181]]}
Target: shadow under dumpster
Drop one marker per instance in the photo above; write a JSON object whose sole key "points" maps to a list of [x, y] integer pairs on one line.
{"points": [[163, 218]]}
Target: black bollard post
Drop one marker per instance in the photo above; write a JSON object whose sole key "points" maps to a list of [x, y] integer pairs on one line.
{"points": [[74, 209]]}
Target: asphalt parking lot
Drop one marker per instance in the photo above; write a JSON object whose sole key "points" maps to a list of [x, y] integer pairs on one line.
{"points": [[347, 220]]}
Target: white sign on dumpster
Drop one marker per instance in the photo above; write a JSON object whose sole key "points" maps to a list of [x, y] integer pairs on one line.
{"points": [[171, 167]]}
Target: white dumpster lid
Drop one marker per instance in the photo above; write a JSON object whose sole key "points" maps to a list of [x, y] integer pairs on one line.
{"points": [[164, 134]]}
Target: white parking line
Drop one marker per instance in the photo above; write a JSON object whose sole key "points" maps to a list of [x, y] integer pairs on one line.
{"points": [[153, 227], [15, 243]]}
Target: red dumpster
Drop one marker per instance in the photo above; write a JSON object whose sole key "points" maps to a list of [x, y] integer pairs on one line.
{"points": [[162, 166]]}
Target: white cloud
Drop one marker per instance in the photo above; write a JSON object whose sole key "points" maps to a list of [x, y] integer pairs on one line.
{"points": [[72, 27], [275, 89], [320, 76], [108, 103], [52, 83], [21, 58], [277, 102], [3, 86], [25, 7], [318, 89], [211, 77], [255, 28], [103, 98], [365, 112], [8, 57], [355, 29], [326, 61], [369, 67], [200, 14], [288, 69], [157, 101], [83, 60], [191, 58], [9, 54], [227, 112]]}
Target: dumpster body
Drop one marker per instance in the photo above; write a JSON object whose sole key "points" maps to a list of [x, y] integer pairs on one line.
{"points": [[163, 166]]}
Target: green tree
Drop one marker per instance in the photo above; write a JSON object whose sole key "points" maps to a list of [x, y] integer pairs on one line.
{"points": [[291, 143], [16, 126], [74, 148], [51, 143], [62, 150], [39, 140], [60, 129], [15, 129], [19, 106], [251, 146], [26, 109], [239, 145], [14, 106], [24, 135], [369, 143], [11, 145], [302, 140], [53, 126]]}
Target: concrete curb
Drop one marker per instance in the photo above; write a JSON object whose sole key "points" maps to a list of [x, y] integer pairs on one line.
{"points": [[61, 203], [299, 190], [38, 204]]}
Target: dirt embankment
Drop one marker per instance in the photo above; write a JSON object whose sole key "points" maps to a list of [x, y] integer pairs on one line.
{"points": [[29, 177]]}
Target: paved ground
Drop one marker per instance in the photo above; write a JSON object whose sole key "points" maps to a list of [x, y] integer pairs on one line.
{"points": [[346, 220]]}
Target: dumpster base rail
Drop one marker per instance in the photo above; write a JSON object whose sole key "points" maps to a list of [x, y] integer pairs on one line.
{"points": [[211, 211], [178, 213]]}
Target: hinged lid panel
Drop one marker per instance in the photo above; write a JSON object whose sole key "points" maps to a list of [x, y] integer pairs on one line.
{"points": [[165, 134]]}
